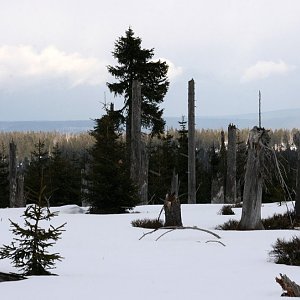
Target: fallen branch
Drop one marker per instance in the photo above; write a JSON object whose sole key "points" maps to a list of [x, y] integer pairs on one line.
{"points": [[172, 228], [212, 241], [292, 289]]}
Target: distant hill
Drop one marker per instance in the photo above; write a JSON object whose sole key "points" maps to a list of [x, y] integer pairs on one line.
{"points": [[273, 120], [287, 119]]}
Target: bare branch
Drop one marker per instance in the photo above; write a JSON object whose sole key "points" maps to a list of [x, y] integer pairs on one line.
{"points": [[172, 228]]}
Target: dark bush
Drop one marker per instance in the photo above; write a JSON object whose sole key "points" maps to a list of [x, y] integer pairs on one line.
{"points": [[226, 210], [229, 225], [278, 221], [147, 223], [286, 252]]}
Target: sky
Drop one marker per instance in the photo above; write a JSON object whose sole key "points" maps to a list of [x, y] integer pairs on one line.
{"points": [[54, 54]]}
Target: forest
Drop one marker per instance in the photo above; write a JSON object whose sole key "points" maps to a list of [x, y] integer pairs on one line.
{"points": [[64, 158]]}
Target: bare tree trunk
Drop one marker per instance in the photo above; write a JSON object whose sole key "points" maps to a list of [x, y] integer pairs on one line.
{"points": [[191, 144], [174, 184], [291, 288], [251, 212], [20, 199], [297, 200], [231, 166], [217, 190], [138, 157], [172, 211], [12, 174]]}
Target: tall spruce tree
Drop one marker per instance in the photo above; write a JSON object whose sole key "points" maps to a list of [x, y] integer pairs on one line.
{"points": [[111, 189], [135, 62]]}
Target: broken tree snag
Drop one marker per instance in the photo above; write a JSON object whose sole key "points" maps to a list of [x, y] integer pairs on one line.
{"points": [[297, 199], [12, 174], [172, 211], [251, 213], [191, 144], [231, 166], [290, 287]]}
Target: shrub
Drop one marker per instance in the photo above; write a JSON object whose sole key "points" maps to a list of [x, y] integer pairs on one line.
{"points": [[229, 225], [286, 252], [147, 223], [278, 221], [226, 210]]}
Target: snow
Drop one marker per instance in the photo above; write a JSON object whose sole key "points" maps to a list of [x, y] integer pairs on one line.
{"points": [[104, 258]]}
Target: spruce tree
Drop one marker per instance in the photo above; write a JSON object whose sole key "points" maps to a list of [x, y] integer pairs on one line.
{"points": [[29, 250], [38, 168], [64, 178], [135, 62], [110, 187]]}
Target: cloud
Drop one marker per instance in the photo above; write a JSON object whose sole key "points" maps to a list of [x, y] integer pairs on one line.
{"points": [[25, 65], [173, 71], [265, 69]]}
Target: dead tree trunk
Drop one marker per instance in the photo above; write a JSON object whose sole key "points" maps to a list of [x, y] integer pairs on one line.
{"points": [[20, 199], [172, 210], [138, 167], [231, 166], [291, 288], [174, 184], [191, 144], [12, 174], [297, 200], [172, 206], [251, 213]]}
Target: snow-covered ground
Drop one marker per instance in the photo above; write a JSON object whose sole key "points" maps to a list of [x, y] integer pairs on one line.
{"points": [[104, 259]]}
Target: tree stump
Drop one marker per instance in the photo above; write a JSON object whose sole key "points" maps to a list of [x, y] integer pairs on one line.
{"points": [[172, 211], [290, 287], [251, 213]]}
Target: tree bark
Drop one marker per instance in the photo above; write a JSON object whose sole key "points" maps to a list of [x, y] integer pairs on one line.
{"points": [[138, 156], [231, 166], [251, 212], [191, 144], [172, 210], [290, 287]]}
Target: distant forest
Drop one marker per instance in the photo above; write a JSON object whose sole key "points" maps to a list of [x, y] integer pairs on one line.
{"points": [[66, 155]]}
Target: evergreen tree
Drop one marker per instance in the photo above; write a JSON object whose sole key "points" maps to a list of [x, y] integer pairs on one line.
{"points": [[29, 251], [65, 179], [111, 189], [162, 162], [37, 169], [135, 62], [4, 182]]}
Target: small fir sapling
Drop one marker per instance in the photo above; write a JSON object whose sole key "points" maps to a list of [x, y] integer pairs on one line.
{"points": [[28, 251]]}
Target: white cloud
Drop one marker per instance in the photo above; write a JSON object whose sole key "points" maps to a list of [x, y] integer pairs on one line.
{"points": [[173, 71], [265, 69], [25, 65]]}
